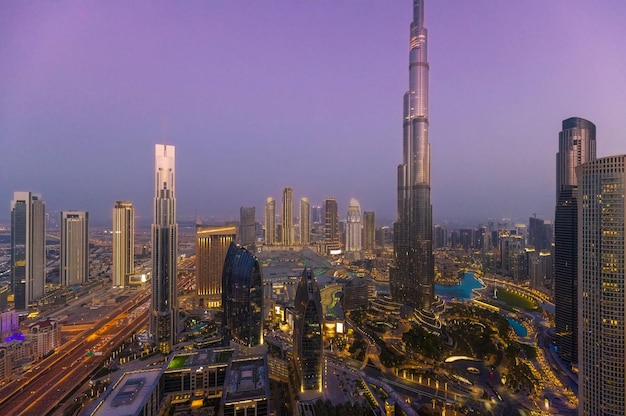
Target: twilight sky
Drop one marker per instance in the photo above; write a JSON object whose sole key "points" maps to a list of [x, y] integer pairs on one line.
{"points": [[259, 95]]}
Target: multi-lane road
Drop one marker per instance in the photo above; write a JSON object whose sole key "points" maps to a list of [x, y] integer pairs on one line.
{"points": [[56, 376]]}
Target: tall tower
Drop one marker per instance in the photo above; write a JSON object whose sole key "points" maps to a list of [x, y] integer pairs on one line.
{"points": [[28, 248], [270, 222], [369, 230], [305, 221], [212, 244], [288, 233], [242, 297], [164, 306], [412, 278], [601, 289], [247, 226], [307, 333], [74, 267], [123, 242], [354, 226], [577, 145], [331, 222]]}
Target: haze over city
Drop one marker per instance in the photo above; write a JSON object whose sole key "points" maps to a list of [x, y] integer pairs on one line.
{"points": [[257, 96]]}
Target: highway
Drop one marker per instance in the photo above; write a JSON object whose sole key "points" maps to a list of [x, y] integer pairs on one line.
{"points": [[69, 366]]}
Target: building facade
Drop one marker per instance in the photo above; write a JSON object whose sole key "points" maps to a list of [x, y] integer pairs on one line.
{"points": [[164, 304], [369, 230], [577, 145], [270, 222], [331, 222], [123, 243], [212, 242], [412, 278], [28, 248], [601, 288], [305, 221], [74, 267], [247, 226], [242, 297], [307, 333], [354, 227], [288, 233]]}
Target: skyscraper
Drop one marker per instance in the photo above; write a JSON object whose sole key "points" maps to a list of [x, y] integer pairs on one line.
{"points": [[123, 242], [212, 242], [288, 232], [307, 333], [74, 261], [270, 222], [577, 145], [601, 288], [28, 248], [412, 278], [305, 221], [164, 306], [247, 226], [354, 226], [331, 222], [369, 230], [242, 296]]}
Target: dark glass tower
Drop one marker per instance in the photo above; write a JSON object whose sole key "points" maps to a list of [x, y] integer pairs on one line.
{"points": [[164, 306], [412, 278], [307, 333], [577, 145], [242, 297]]}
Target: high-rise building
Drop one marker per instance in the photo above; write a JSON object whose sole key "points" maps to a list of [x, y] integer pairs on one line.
{"points": [[28, 248], [288, 230], [74, 261], [164, 305], [539, 233], [577, 145], [212, 242], [317, 214], [305, 221], [369, 230], [601, 288], [440, 238], [247, 226], [354, 226], [412, 279], [270, 222], [123, 242], [307, 333], [242, 297], [331, 222]]}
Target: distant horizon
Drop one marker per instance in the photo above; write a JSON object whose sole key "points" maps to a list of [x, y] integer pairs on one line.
{"points": [[261, 96]]}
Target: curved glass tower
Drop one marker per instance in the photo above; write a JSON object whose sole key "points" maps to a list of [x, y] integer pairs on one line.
{"points": [[412, 278], [242, 296]]}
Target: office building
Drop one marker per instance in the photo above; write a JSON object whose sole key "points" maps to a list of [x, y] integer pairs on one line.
{"points": [[577, 145], [212, 242], [270, 222], [412, 278], [74, 261], [305, 222], [123, 243], [601, 288], [317, 214], [354, 227], [307, 333], [247, 227], [164, 305], [246, 388], [28, 248], [440, 237], [288, 234], [242, 297], [331, 222], [369, 230]]}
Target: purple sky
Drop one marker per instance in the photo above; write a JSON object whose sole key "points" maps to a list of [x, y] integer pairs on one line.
{"points": [[259, 95]]}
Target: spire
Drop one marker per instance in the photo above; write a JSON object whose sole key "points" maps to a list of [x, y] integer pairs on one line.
{"points": [[418, 13]]}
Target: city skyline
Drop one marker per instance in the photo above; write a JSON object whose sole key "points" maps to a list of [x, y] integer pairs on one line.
{"points": [[70, 81]]}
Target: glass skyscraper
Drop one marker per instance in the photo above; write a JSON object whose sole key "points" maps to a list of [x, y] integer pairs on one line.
{"points": [[74, 267], [242, 296], [123, 242], [412, 278], [164, 305]]}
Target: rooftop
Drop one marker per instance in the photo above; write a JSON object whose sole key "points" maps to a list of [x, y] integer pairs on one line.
{"points": [[129, 394]]}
